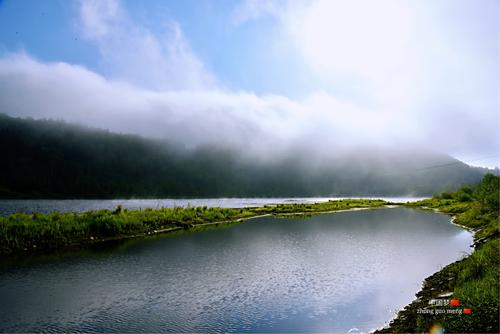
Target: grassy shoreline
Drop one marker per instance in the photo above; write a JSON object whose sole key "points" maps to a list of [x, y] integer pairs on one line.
{"points": [[26, 233], [473, 280]]}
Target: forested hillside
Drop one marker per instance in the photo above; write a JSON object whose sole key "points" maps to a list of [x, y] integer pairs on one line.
{"points": [[54, 159]]}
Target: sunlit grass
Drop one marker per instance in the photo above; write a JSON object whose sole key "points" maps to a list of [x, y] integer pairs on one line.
{"points": [[22, 232]]}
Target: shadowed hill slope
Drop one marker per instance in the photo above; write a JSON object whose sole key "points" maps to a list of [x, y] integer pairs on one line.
{"points": [[54, 159]]}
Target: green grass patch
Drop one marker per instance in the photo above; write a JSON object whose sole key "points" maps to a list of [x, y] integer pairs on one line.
{"points": [[24, 232]]}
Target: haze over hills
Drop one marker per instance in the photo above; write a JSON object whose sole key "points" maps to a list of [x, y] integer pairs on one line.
{"points": [[262, 79], [54, 159]]}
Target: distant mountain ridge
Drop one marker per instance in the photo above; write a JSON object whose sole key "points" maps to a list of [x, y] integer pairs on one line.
{"points": [[54, 159]]}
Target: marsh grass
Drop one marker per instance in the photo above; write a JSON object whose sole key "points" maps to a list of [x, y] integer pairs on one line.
{"points": [[33, 232]]}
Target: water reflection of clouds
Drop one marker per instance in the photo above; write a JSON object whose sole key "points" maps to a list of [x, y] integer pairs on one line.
{"points": [[326, 273]]}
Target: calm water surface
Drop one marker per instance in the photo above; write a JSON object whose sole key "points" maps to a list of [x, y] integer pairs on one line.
{"points": [[8, 207], [341, 272]]}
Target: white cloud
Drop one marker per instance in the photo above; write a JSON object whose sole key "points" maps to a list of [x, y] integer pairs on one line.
{"points": [[240, 120], [398, 51], [249, 10], [430, 92], [356, 37], [62, 91], [30, 88], [133, 53], [435, 63], [98, 17]]}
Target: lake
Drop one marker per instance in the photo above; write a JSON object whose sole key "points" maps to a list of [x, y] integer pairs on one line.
{"points": [[341, 272], [8, 207]]}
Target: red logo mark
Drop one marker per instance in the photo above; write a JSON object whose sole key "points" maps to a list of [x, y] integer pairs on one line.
{"points": [[454, 302], [467, 311]]}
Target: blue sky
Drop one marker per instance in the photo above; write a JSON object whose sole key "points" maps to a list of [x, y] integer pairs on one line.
{"points": [[45, 29], [49, 30], [400, 73]]}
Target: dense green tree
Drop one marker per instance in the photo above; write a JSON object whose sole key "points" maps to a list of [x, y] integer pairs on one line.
{"points": [[488, 192], [54, 159]]}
